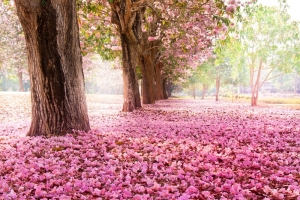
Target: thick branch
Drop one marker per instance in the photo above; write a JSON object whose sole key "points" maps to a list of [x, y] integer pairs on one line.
{"points": [[127, 15], [129, 32], [116, 8], [30, 6], [131, 21], [140, 4]]}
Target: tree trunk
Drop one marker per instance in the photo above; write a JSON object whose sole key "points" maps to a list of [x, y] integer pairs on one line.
{"points": [[21, 84], [169, 92], [159, 82], [142, 87], [169, 88], [217, 88], [55, 66], [147, 68], [255, 86], [194, 93], [254, 98], [149, 57], [204, 90], [165, 89], [131, 94], [129, 27]]}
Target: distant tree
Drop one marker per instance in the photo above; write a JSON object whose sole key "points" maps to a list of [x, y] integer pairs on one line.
{"points": [[227, 67], [192, 84], [201, 78], [285, 83], [13, 49], [268, 40], [101, 76]]}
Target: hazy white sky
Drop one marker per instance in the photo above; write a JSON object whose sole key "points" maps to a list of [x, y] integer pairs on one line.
{"points": [[294, 7]]}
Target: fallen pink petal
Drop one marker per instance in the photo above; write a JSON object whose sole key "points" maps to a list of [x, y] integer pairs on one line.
{"points": [[175, 149]]}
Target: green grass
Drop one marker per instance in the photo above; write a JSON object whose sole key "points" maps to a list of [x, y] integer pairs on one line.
{"points": [[280, 100], [267, 100], [285, 102], [262, 100]]}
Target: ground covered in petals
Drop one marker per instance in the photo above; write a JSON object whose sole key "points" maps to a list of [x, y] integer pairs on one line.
{"points": [[175, 149]]}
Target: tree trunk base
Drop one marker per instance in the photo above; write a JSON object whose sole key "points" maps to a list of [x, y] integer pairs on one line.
{"points": [[55, 67]]}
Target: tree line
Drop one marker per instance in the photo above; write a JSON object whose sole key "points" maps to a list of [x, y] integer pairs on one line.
{"points": [[157, 41]]}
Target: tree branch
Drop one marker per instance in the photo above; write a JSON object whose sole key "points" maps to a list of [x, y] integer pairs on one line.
{"points": [[262, 82], [30, 6], [140, 4], [129, 32], [127, 15], [272, 77], [116, 9]]}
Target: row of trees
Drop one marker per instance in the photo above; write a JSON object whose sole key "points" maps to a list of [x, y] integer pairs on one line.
{"points": [[153, 36], [211, 82], [157, 41], [263, 45], [161, 39]]}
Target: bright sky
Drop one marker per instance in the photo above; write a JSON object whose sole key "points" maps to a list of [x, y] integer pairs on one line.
{"points": [[293, 10]]}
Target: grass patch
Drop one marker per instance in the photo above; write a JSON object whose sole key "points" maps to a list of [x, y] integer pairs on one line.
{"points": [[280, 100]]}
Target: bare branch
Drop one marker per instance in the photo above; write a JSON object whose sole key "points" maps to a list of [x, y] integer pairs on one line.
{"points": [[273, 77]]}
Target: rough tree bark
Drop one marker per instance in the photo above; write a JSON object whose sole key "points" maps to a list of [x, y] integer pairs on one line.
{"points": [[127, 16], [159, 87], [148, 59], [131, 93], [147, 69], [165, 88], [55, 66]]}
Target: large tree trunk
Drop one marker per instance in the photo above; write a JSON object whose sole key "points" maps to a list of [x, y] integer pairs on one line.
{"points": [[131, 94], [165, 88], [218, 80], [159, 82], [149, 57], [147, 68], [129, 27], [21, 84], [55, 66]]}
